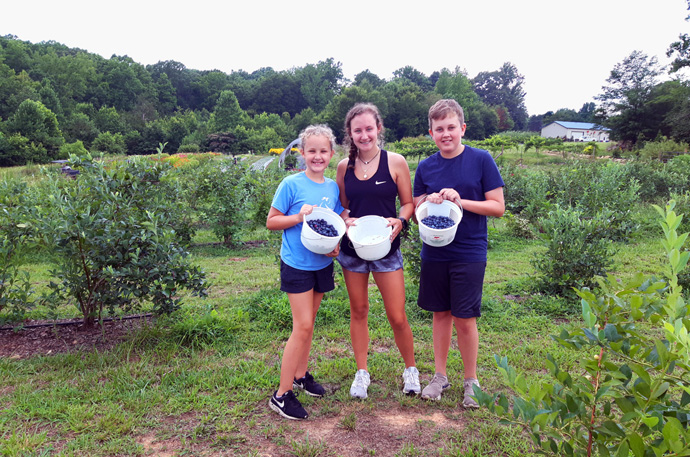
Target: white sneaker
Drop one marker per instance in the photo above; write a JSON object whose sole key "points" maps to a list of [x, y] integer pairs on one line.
{"points": [[360, 384], [411, 378]]}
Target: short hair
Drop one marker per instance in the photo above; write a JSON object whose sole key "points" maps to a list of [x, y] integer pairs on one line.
{"points": [[317, 130], [360, 108], [442, 108]]}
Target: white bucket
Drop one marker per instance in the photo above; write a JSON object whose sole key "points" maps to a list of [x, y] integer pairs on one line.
{"points": [[316, 242], [371, 237], [435, 237]]}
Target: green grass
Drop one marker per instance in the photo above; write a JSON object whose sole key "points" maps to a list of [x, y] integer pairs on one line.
{"points": [[198, 384]]}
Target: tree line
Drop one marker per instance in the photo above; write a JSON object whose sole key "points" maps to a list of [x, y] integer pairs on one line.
{"points": [[56, 100]]}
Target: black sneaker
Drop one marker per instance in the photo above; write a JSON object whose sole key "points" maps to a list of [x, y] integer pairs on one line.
{"points": [[310, 386], [288, 406]]}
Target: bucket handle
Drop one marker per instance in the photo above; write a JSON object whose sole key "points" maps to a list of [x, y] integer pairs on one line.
{"points": [[424, 199]]}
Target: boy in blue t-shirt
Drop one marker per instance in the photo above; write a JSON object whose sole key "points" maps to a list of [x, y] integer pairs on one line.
{"points": [[452, 276], [304, 275]]}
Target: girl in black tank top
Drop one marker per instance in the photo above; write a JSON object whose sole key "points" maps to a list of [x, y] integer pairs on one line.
{"points": [[374, 196]]}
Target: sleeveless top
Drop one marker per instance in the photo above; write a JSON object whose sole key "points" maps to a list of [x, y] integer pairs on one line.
{"points": [[374, 196]]}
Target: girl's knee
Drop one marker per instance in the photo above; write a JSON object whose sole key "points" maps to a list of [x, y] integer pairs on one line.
{"points": [[399, 322], [359, 312], [302, 331]]}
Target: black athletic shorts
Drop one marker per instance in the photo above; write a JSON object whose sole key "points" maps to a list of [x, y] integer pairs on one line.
{"points": [[453, 286], [294, 281]]}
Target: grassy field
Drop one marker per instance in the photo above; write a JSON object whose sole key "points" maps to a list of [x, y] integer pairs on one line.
{"points": [[198, 384]]}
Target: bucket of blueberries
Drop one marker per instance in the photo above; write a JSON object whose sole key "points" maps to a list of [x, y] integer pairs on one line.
{"points": [[322, 230], [438, 222]]}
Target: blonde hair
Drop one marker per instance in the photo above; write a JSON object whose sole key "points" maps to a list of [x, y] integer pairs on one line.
{"points": [[442, 108], [317, 130], [360, 108]]}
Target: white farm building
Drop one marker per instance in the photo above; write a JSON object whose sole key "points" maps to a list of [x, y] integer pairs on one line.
{"points": [[576, 131]]}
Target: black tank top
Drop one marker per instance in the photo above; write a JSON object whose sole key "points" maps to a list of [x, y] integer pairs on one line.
{"points": [[374, 196]]}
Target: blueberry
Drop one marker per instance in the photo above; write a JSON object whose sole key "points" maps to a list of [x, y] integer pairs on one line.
{"points": [[438, 222], [322, 227]]}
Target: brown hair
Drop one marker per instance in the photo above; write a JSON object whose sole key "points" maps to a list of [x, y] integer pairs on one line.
{"points": [[443, 108], [360, 108]]}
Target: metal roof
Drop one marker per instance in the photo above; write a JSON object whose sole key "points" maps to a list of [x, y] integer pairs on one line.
{"points": [[580, 125]]}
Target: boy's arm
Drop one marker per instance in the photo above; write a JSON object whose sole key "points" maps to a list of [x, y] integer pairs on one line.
{"points": [[279, 221], [494, 204]]}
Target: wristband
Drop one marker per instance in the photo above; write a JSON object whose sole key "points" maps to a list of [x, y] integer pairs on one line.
{"points": [[405, 224]]}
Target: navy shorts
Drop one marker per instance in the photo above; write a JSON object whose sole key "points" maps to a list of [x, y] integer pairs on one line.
{"points": [[392, 262], [294, 281], [452, 286]]}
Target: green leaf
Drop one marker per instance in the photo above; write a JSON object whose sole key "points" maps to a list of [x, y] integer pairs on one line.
{"points": [[611, 333], [650, 421], [640, 371], [661, 390], [623, 449], [685, 398], [591, 335], [673, 434], [614, 428], [661, 352], [636, 444]]}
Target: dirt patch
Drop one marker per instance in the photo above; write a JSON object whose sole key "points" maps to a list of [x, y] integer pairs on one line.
{"points": [[65, 336], [381, 432]]}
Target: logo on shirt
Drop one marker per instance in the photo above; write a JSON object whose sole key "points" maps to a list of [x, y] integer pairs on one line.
{"points": [[325, 203], [380, 182]]}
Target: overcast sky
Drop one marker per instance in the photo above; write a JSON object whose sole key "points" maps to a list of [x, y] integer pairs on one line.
{"points": [[564, 49]]}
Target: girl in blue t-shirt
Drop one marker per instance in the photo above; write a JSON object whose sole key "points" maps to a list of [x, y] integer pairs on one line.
{"points": [[304, 275]]}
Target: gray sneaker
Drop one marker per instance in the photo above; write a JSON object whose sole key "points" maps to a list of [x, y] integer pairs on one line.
{"points": [[468, 401], [360, 384], [438, 384], [411, 379]]}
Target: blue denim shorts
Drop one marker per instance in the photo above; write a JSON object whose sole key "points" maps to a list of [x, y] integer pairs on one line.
{"points": [[392, 262]]}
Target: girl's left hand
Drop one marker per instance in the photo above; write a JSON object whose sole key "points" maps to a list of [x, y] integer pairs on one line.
{"points": [[397, 226]]}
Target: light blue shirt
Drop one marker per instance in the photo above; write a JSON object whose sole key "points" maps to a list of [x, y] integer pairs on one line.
{"points": [[293, 192]]}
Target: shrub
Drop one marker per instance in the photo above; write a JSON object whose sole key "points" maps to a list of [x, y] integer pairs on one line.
{"points": [[77, 148], [656, 149], [261, 185], [527, 192], [16, 149], [576, 251], [16, 232], [518, 226], [191, 147], [655, 180], [112, 239], [630, 394], [419, 147], [109, 143], [221, 197]]}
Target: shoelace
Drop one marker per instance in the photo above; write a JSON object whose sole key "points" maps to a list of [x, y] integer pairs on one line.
{"points": [[360, 380], [411, 376]]}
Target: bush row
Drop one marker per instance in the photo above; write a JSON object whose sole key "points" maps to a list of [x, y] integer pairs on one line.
{"points": [[116, 232]]}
